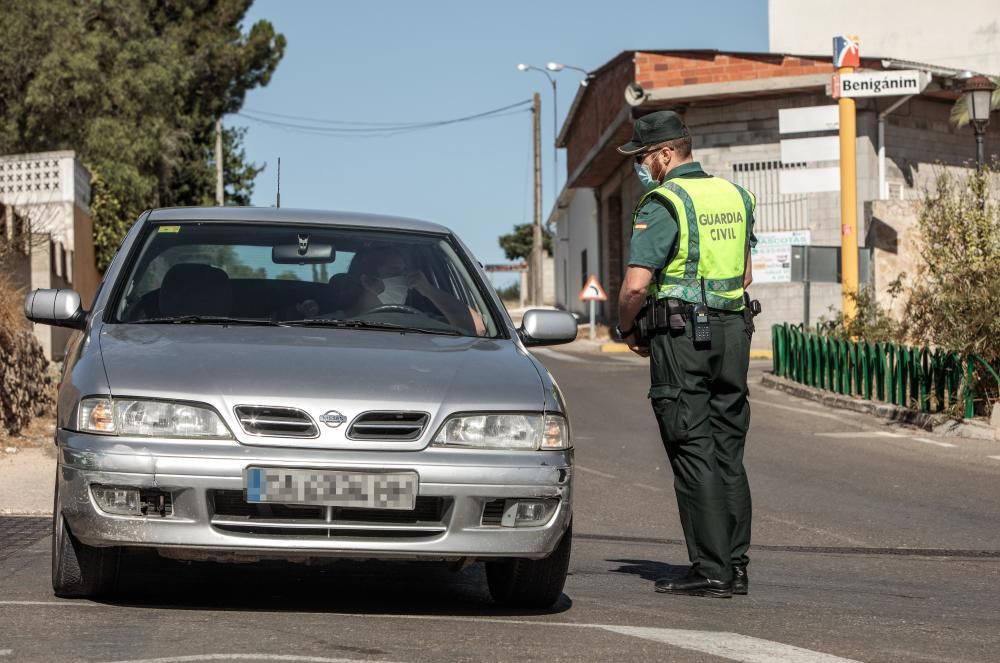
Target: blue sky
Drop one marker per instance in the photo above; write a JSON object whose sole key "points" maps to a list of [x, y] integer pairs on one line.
{"points": [[398, 61]]}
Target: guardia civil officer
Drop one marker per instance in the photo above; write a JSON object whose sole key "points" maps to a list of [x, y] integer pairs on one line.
{"points": [[689, 254]]}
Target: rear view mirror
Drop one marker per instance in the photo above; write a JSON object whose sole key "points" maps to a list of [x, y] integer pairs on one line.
{"points": [[302, 252], [547, 327], [60, 307]]}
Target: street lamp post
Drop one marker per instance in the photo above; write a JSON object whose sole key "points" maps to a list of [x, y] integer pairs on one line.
{"points": [[555, 125], [559, 66], [979, 94]]}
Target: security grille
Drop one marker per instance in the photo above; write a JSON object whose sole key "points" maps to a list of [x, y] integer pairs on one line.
{"points": [[775, 211]]}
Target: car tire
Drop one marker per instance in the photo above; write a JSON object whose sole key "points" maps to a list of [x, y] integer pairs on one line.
{"points": [[530, 583], [79, 570]]}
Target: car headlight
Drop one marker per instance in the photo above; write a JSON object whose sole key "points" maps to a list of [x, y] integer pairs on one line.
{"points": [[505, 431], [148, 418]]}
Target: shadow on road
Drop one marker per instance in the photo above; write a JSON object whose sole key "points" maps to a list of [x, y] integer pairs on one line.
{"points": [[354, 587], [649, 570]]}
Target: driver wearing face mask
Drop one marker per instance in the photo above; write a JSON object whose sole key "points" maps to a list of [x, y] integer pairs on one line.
{"points": [[387, 281]]}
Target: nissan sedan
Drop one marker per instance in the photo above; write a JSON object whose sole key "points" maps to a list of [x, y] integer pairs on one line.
{"points": [[256, 383]]}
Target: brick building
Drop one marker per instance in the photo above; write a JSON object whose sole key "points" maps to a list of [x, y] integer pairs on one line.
{"points": [[732, 102]]}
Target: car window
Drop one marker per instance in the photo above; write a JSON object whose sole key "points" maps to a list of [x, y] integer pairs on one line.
{"points": [[201, 272]]}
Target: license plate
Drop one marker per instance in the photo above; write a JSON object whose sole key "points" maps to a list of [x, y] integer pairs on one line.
{"points": [[371, 490]]}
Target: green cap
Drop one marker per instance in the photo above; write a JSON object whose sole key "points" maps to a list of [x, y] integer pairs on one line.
{"points": [[653, 129]]}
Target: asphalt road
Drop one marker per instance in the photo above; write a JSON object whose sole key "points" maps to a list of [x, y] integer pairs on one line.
{"points": [[871, 543]]}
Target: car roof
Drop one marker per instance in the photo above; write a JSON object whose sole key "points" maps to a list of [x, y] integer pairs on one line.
{"points": [[290, 215]]}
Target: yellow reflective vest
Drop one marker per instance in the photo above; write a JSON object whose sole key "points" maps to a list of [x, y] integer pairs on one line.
{"points": [[713, 216]]}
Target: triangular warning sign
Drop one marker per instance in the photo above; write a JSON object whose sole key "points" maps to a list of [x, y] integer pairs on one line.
{"points": [[592, 291]]}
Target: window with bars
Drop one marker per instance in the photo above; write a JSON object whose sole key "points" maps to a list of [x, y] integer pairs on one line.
{"points": [[775, 211]]}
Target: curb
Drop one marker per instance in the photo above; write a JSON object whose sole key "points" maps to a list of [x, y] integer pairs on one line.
{"points": [[761, 354], [934, 423], [614, 347]]}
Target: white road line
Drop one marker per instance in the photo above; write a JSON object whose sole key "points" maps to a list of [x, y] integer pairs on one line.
{"points": [[733, 646], [859, 433], [717, 643], [994, 457], [653, 488], [248, 657], [935, 442], [559, 356], [813, 413], [587, 470], [6, 652]]}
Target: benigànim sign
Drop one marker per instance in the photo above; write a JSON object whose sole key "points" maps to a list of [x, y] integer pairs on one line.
{"points": [[880, 83]]}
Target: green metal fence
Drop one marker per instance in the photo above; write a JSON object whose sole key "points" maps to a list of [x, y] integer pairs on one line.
{"points": [[918, 378]]}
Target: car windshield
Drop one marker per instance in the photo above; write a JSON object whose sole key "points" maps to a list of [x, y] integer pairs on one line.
{"points": [[210, 273]]}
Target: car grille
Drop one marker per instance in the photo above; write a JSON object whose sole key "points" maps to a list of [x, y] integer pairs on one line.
{"points": [[270, 421], [388, 426], [231, 512], [493, 512]]}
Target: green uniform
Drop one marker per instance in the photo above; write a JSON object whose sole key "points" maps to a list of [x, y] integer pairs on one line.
{"points": [[699, 393]]}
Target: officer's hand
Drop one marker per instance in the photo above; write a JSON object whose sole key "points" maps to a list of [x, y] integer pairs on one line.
{"points": [[633, 345]]}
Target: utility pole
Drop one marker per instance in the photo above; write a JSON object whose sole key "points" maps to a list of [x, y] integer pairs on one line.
{"points": [[537, 279], [848, 177], [220, 187]]}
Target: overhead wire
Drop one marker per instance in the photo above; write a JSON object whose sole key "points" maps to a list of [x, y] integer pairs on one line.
{"points": [[361, 129]]}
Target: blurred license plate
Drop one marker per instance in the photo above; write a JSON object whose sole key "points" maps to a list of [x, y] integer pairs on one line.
{"points": [[371, 490]]}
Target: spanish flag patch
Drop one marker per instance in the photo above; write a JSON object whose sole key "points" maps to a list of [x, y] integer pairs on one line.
{"points": [[639, 226]]}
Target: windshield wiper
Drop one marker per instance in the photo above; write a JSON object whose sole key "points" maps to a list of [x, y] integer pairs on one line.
{"points": [[209, 320], [369, 324]]}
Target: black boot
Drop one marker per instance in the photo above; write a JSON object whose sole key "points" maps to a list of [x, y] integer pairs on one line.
{"points": [[741, 581], [693, 584]]}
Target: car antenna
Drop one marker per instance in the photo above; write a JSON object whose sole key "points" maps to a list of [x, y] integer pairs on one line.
{"points": [[278, 201]]}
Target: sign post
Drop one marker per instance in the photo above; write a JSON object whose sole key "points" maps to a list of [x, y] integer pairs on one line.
{"points": [[592, 292], [846, 57]]}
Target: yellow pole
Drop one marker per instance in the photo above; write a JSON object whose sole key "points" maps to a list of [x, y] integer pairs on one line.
{"points": [[848, 201]]}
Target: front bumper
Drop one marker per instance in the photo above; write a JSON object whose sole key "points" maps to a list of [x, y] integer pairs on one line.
{"points": [[193, 472]]}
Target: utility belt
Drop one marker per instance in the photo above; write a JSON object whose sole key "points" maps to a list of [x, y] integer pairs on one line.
{"points": [[671, 315]]}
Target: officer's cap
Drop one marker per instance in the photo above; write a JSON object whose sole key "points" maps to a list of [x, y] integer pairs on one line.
{"points": [[654, 129]]}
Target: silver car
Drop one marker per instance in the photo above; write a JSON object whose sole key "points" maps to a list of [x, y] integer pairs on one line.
{"points": [[256, 383]]}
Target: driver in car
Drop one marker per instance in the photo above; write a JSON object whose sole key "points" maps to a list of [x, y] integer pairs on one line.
{"points": [[386, 282]]}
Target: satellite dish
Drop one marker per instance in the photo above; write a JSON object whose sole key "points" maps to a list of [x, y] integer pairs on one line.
{"points": [[634, 94]]}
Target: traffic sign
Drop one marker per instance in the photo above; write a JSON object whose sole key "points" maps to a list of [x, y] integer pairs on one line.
{"points": [[880, 83], [592, 291]]}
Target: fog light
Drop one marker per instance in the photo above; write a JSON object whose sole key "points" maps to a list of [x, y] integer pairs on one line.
{"points": [[118, 500], [528, 513], [124, 501]]}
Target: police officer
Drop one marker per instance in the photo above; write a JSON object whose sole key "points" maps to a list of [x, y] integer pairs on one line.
{"points": [[689, 254]]}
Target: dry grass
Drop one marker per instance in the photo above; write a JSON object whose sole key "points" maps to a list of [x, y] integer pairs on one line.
{"points": [[39, 433]]}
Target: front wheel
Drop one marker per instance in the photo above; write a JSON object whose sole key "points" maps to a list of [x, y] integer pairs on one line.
{"points": [[79, 570], [531, 583]]}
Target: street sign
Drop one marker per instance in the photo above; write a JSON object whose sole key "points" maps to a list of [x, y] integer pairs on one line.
{"points": [[592, 291], [846, 51], [880, 83]]}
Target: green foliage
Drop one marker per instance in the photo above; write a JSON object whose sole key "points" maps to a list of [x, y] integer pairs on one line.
{"points": [[953, 302], [287, 275], [872, 322], [134, 87], [511, 292], [517, 245]]}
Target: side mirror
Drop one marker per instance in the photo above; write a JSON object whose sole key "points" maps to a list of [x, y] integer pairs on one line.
{"points": [[547, 327], [60, 307]]}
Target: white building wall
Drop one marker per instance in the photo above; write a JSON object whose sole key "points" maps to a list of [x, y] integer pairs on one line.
{"points": [[964, 36], [575, 233]]}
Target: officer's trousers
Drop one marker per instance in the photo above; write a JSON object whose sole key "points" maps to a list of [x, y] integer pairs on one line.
{"points": [[699, 395]]}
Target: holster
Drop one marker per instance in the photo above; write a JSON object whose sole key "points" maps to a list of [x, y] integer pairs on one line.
{"points": [[660, 315]]}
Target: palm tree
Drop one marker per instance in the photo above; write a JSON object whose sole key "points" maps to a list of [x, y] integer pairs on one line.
{"points": [[960, 111]]}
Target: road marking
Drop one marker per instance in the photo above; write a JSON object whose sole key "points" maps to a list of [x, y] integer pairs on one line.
{"points": [[733, 646], [653, 488], [934, 442], [6, 652], [587, 470], [800, 410], [859, 433], [718, 643], [559, 356], [248, 657], [994, 457]]}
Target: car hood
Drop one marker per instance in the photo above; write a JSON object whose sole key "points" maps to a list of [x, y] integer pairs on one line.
{"points": [[318, 370]]}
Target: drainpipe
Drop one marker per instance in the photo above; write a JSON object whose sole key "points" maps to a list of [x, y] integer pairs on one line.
{"points": [[883, 188]]}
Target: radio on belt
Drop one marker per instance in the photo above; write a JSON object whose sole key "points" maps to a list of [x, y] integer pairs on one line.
{"points": [[700, 323]]}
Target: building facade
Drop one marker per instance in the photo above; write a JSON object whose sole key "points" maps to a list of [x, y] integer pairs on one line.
{"points": [[734, 104], [46, 225]]}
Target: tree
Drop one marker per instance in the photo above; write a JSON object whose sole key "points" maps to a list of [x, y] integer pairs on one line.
{"points": [[135, 88], [517, 245]]}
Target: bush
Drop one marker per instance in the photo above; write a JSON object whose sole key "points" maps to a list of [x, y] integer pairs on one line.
{"points": [[25, 384], [871, 322]]}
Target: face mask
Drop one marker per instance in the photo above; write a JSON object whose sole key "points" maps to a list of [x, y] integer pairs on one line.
{"points": [[394, 290], [645, 176]]}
